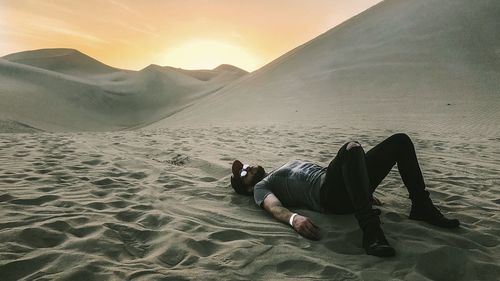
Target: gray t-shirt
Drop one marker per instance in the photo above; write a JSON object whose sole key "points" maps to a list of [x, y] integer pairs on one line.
{"points": [[295, 184]]}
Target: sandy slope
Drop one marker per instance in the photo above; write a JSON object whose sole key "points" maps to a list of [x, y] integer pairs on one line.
{"points": [[156, 205], [67, 61], [432, 64], [65, 90]]}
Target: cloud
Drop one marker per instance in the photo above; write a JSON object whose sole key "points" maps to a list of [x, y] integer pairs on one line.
{"points": [[62, 27], [75, 33], [12, 33], [146, 29], [136, 25], [49, 6], [124, 7], [43, 27]]}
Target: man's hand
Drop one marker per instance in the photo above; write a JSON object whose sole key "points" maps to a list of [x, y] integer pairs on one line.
{"points": [[305, 227]]}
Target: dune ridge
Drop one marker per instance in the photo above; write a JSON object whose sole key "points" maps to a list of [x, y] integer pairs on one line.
{"points": [[432, 64], [65, 90], [68, 61]]}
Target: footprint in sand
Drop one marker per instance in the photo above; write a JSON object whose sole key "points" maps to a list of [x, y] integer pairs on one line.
{"points": [[103, 182], [203, 247], [6, 197], [338, 273], [207, 179], [35, 201], [229, 235], [128, 215], [297, 267], [41, 237], [138, 175], [155, 221], [339, 245], [93, 162], [97, 206], [454, 268], [173, 256]]}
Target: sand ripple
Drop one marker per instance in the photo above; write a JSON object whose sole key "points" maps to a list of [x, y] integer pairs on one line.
{"points": [[151, 205]]}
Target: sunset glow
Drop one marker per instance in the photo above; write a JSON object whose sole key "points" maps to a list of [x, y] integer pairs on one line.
{"points": [[208, 54], [188, 34]]}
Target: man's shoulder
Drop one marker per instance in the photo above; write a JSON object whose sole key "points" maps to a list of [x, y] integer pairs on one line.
{"points": [[263, 182], [292, 163]]}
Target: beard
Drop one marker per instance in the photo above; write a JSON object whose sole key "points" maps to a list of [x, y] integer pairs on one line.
{"points": [[261, 173]]}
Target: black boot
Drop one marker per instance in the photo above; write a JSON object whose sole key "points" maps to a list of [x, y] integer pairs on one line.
{"points": [[423, 209], [374, 241]]}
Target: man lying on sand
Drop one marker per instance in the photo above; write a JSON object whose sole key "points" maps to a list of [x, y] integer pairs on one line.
{"points": [[345, 187]]}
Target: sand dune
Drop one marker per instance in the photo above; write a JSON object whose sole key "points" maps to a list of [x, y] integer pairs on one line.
{"points": [[151, 205], [220, 72], [432, 64], [68, 61], [156, 203], [65, 90]]}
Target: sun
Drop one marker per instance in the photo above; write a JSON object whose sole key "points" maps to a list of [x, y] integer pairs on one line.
{"points": [[208, 54]]}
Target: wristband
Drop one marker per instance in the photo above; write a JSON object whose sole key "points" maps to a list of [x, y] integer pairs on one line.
{"points": [[291, 219]]}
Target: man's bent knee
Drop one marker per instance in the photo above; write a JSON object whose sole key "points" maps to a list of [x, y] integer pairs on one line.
{"points": [[403, 138], [353, 144]]}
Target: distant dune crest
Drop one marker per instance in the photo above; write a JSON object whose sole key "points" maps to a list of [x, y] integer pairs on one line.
{"points": [[66, 90], [69, 61], [201, 74]]}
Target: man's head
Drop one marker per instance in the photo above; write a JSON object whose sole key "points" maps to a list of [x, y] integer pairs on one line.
{"points": [[245, 177]]}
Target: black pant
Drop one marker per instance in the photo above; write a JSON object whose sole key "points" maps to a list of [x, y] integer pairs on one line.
{"points": [[353, 175]]}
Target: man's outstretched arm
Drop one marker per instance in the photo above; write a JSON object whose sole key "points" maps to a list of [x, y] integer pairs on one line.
{"points": [[303, 225]]}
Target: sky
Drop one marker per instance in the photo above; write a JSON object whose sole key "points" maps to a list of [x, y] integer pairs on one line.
{"points": [[190, 34]]}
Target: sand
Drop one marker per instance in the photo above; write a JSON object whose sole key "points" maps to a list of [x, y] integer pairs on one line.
{"points": [[157, 205], [64, 90], [112, 174], [431, 65]]}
